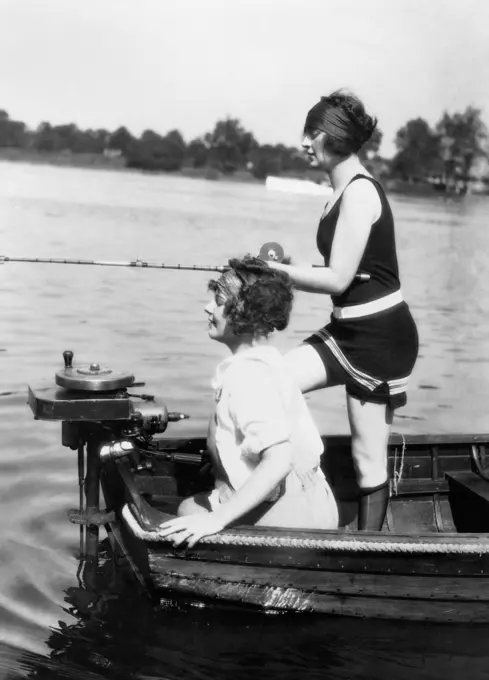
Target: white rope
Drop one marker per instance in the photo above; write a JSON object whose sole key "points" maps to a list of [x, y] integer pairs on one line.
{"points": [[423, 545], [396, 480]]}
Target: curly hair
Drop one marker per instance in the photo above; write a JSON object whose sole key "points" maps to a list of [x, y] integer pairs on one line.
{"points": [[343, 118], [257, 299]]}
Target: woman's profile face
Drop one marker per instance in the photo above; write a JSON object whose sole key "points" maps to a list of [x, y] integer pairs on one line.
{"points": [[218, 326], [313, 145]]}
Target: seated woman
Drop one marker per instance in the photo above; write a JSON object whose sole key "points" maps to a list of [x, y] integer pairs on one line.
{"points": [[262, 439]]}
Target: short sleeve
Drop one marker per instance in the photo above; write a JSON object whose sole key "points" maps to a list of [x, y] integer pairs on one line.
{"points": [[257, 407]]}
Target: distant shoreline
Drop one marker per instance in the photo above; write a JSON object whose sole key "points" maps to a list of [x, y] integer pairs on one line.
{"points": [[79, 160], [95, 161]]}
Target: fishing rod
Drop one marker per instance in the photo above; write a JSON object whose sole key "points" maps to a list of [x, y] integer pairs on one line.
{"points": [[104, 263], [270, 251]]}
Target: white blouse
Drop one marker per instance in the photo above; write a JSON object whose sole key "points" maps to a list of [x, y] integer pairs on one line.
{"points": [[258, 404]]}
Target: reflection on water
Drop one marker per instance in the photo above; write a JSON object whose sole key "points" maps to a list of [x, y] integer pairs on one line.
{"points": [[118, 634], [152, 323]]}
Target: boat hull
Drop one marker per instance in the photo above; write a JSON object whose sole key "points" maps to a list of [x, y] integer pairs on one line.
{"points": [[419, 568], [344, 594]]}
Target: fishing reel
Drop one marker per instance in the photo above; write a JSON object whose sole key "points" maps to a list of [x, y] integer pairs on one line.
{"points": [[271, 251]]}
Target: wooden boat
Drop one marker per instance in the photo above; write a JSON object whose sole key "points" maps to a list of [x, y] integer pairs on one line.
{"points": [[430, 562]]}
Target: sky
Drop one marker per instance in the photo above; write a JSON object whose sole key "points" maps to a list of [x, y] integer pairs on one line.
{"points": [[166, 64]]}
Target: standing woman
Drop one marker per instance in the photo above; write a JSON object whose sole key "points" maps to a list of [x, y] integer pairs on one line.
{"points": [[371, 343]]}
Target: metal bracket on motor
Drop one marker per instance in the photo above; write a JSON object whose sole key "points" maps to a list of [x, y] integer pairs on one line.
{"points": [[91, 517]]}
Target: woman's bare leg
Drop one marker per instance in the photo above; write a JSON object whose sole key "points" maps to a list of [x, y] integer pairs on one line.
{"points": [[308, 369], [370, 427]]}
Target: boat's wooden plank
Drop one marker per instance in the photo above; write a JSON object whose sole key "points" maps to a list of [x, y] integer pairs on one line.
{"points": [[417, 462], [452, 463], [375, 563], [407, 513], [396, 439], [423, 458], [341, 471], [450, 588], [413, 467], [435, 468], [157, 484], [428, 514], [165, 485], [115, 534], [462, 438], [367, 537], [194, 444], [325, 603], [422, 486]]}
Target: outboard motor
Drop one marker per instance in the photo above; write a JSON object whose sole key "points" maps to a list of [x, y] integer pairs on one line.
{"points": [[103, 422]]}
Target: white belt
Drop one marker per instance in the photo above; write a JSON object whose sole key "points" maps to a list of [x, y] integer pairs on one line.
{"points": [[357, 311]]}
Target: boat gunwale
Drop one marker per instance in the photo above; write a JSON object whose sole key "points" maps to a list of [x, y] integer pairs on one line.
{"points": [[373, 538], [395, 439], [427, 486]]}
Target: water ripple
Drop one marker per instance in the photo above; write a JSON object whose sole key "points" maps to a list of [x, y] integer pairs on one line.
{"points": [[152, 323]]}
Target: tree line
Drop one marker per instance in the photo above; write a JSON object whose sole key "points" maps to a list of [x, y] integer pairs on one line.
{"points": [[449, 151], [454, 151]]}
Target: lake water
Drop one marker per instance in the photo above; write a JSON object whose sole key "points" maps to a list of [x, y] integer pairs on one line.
{"points": [[152, 323]]}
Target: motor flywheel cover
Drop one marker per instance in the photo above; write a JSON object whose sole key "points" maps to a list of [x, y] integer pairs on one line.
{"points": [[93, 378]]}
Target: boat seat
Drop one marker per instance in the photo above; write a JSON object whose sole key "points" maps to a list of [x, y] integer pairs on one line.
{"points": [[166, 503], [469, 501], [469, 482]]}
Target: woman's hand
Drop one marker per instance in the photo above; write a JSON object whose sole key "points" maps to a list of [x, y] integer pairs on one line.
{"points": [[278, 266], [191, 528]]}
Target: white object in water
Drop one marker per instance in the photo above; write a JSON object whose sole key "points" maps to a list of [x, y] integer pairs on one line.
{"points": [[297, 186]]}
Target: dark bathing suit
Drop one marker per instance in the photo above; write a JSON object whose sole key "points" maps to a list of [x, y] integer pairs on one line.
{"points": [[374, 354]]}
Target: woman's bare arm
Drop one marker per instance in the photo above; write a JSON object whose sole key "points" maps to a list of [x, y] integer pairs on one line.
{"points": [[275, 465], [360, 208]]}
